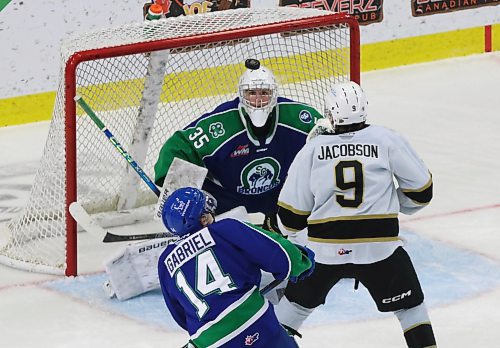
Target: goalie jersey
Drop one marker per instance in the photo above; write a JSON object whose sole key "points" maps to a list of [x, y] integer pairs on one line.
{"points": [[210, 281], [243, 168], [341, 187]]}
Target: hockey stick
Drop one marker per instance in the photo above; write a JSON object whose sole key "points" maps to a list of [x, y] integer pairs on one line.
{"points": [[188, 174], [271, 286], [83, 218], [86, 219], [116, 144], [238, 212], [111, 237]]}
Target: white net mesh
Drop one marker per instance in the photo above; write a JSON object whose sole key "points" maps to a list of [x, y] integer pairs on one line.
{"points": [[142, 99]]}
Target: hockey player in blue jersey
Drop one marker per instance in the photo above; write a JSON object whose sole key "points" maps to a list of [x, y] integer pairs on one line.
{"points": [[247, 144], [210, 277]]}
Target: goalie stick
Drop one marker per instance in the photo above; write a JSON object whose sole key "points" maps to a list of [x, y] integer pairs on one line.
{"points": [[111, 237], [271, 286], [235, 213], [186, 174], [116, 144], [83, 218]]}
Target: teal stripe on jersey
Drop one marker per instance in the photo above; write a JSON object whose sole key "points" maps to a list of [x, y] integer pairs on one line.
{"points": [[243, 315], [3, 3]]}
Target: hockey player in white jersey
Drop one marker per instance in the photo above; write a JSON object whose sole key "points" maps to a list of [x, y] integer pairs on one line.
{"points": [[340, 188]]}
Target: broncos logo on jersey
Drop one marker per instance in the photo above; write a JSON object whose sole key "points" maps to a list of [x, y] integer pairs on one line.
{"points": [[305, 116], [259, 176]]}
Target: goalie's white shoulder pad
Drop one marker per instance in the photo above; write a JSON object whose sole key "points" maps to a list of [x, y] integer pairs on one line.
{"points": [[322, 126]]}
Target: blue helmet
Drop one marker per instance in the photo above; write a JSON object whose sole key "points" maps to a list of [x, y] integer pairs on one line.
{"points": [[183, 209]]}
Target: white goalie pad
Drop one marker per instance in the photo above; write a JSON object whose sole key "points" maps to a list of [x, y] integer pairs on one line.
{"points": [[133, 270], [180, 174]]}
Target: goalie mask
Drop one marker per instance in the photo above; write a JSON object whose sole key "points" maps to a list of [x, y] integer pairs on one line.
{"points": [[184, 208], [346, 104], [257, 92]]}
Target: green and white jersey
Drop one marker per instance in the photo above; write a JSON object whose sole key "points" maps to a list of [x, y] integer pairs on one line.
{"points": [[243, 168]]}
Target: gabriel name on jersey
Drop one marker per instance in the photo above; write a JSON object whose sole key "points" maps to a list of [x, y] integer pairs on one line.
{"points": [[243, 168], [186, 249]]}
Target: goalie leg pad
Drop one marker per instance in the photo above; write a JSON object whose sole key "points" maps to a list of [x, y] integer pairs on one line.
{"points": [[133, 270]]}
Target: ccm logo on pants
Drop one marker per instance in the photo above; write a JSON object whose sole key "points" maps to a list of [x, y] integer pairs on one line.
{"points": [[397, 297]]}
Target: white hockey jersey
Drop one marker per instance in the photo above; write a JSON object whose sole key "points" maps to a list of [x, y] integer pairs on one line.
{"points": [[347, 190]]}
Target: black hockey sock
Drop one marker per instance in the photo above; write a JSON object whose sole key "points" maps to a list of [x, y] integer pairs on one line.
{"points": [[420, 336]]}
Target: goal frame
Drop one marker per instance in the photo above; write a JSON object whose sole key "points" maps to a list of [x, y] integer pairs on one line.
{"points": [[170, 43]]}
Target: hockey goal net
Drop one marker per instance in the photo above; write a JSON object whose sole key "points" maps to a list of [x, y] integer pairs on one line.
{"points": [[145, 81]]}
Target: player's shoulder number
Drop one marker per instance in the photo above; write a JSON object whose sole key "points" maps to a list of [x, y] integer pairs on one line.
{"points": [[198, 137]]}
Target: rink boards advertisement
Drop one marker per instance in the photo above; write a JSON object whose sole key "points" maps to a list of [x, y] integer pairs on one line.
{"points": [[365, 11], [175, 8], [429, 7], [371, 11], [451, 28]]}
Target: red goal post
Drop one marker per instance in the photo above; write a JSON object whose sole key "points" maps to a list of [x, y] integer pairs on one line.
{"points": [[147, 80]]}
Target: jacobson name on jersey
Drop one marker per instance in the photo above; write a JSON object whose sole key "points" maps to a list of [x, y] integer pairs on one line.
{"points": [[328, 152], [341, 188]]}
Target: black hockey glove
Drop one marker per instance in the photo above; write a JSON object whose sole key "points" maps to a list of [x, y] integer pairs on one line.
{"points": [[291, 332], [271, 223], [310, 255]]}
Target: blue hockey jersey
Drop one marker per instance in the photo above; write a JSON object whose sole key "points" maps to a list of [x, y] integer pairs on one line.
{"points": [[210, 281], [243, 168]]}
